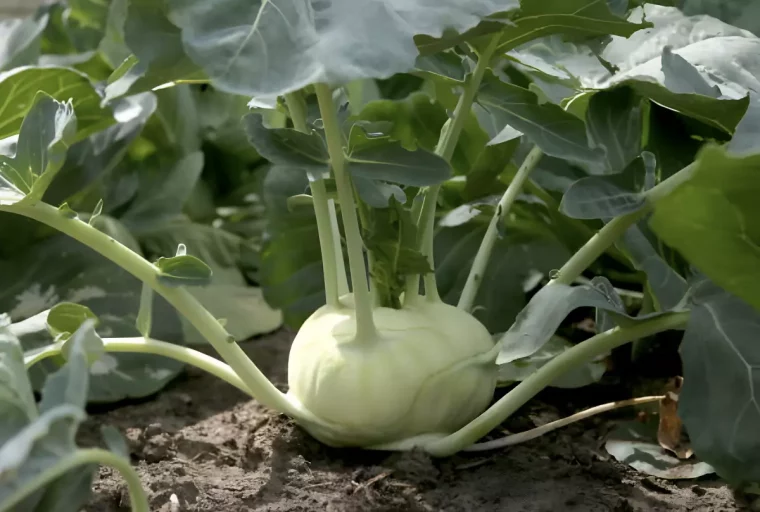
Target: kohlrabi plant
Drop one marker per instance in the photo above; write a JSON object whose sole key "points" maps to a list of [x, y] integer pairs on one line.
{"points": [[523, 103]]}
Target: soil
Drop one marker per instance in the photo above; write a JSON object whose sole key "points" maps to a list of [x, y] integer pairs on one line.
{"points": [[202, 445]]}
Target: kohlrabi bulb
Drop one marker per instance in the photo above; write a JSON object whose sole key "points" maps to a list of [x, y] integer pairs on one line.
{"points": [[429, 370]]}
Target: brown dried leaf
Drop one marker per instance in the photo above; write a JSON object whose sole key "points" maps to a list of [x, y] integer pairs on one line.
{"points": [[670, 430]]}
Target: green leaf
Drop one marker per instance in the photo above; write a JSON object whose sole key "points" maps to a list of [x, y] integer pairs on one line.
{"points": [[538, 321], [50, 438], [292, 45], [552, 129], [539, 18], [86, 22], [285, 146], [376, 193], [744, 14], [229, 295], [158, 54], [483, 178], [710, 219], [17, 403], [60, 269], [290, 270], [635, 443], [46, 133], [510, 273], [683, 78], [391, 237], [20, 86], [614, 120], [184, 270], [162, 194], [667, 285], [521, 369], [416, 122], [87, 176], [66, 317], [391, 162], [605, 197], [724, 56], [20, 40], [721, 370]]}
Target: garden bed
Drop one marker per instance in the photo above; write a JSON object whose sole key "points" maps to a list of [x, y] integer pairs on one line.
{"points": [[216, 450]]}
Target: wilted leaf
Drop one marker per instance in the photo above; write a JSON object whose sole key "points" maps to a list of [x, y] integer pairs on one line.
{"points": [[635, 443]]}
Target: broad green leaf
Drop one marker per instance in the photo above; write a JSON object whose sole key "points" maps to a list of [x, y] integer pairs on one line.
{"points": [[285, 146], [391, 162], [416, 122], [635, 443], [681, 77], [176, 123], [158, 54], [483, 178], [376, 193], [290, 270], [17, 403], [60, 269], [50, 438], [536, 324], [295, 44], [614, 122], [721, 368], [67, 317], [711, 219], [183, 270], [553, 130], [667, 285], [229, 295], [521, 369], [605, 197], [19, 87], [20, 40], [723, 56], [744, 14], [46, 134], [88, 176], [446, 66], [510, 273], [540, 18], [86, 22], [162, 194]]}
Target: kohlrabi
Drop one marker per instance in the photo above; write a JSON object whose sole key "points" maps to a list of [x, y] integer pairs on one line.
{"points": [[384, 363]]}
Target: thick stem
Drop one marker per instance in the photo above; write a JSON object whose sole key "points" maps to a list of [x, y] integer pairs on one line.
{"points": [[445, 148], [137, 497], [340, 263], [475, 277], [160, 348], [533, 433], [187, 305], [544, 376], [365, 324], [431, 287], [297, 108], [607, 236], [595, 247]]}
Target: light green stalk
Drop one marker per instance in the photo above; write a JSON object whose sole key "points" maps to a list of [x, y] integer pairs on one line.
{"points": [[614, 229], [297, 109], [140, 345], [445, 149], [478, 269], [544, 376], [365, 323], [137, 497], [185, 303]]}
